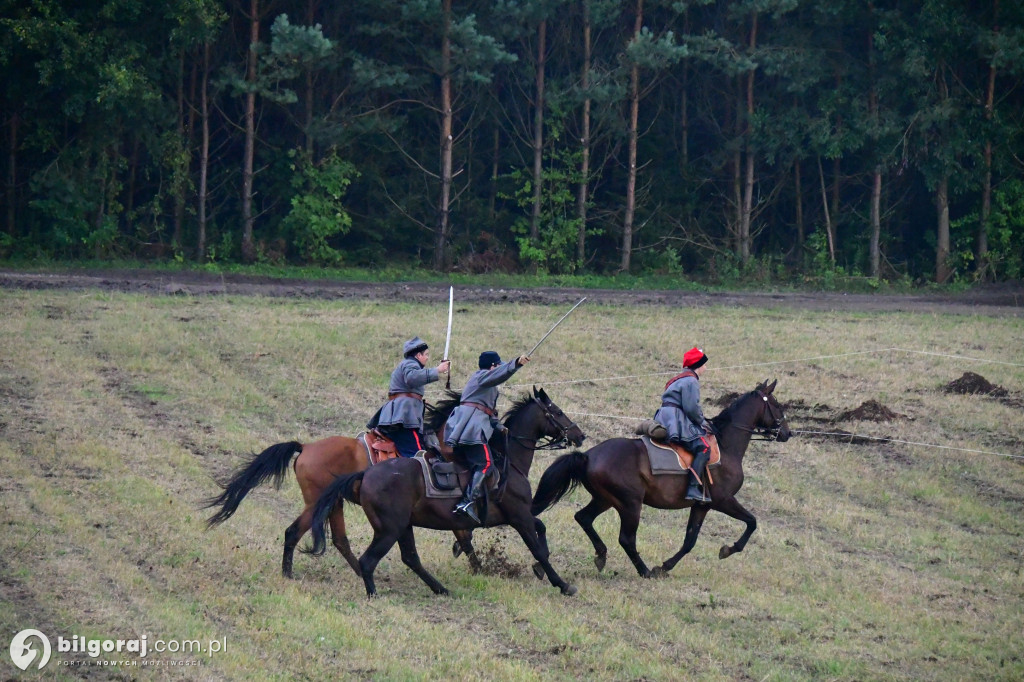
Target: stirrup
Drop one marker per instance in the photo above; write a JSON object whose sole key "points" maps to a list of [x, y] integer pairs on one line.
{"points": [[467, 509]]}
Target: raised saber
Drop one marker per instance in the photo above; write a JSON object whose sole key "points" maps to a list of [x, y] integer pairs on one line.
{"points": [[448, 336], [556, 324]]}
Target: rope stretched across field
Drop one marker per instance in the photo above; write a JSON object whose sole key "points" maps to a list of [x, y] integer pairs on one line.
{"points": [[874, 351], [837, 434]]}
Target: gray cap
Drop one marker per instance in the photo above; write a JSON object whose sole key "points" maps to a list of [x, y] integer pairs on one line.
{"points": [[414, 346]]}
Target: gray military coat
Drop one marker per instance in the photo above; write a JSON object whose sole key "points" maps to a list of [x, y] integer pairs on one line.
{"points": [[409, 377], [468, 425], [680, 411]]}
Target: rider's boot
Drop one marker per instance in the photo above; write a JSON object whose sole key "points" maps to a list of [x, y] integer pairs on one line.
{"points": [[695, 491], [467, 506]]}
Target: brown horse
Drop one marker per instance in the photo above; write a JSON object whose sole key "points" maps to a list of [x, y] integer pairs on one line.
{"points": [[617, 473], [316, 467], [393, 495]]}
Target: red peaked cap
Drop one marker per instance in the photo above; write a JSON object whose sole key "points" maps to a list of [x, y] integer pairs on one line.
{"points": [[694, 358]]}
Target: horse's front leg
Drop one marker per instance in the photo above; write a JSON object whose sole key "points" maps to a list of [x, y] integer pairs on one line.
{"points": [[525, 524], [629, 522], [464, 545], [693, 526], [731, 507]]}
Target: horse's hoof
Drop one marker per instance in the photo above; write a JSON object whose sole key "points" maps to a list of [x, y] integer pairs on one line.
{"points": [[569, 590], [456, 549], [443, 592], [538, 570], [599, 562], [658, 572], [725, 552]]}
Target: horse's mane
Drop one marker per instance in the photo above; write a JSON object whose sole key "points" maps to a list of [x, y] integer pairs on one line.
{"points": [[437, 414], [518, 404], [725, 417]]}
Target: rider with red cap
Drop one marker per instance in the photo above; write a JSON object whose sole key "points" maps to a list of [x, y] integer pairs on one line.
{"points": [[682, 417]]}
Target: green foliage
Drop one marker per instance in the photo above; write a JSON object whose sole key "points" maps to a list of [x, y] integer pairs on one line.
{"points": [[318, 213], [1005, 258], [554, 250]]}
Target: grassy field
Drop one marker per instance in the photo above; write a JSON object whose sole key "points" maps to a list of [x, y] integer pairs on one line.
{"points": [[871, 561]]}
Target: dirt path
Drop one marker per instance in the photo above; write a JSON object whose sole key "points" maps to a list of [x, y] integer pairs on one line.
{"points": [[994, 300]]}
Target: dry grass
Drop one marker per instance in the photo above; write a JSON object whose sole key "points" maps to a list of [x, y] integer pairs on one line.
{"points": [[877, 561]]}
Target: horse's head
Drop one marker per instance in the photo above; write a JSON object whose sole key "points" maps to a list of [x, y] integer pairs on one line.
{"points": [[549, 421], [772, 419]]}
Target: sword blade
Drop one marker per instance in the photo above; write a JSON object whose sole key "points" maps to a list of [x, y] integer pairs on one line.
{"points": [[448, 336], [530, 354]]}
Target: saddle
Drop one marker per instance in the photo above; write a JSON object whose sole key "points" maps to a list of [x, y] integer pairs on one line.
{"points": [[378, 446], [671, 458], [449, 479]]}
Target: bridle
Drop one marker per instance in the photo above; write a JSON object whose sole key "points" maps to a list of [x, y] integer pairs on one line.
{"points": [[559, 442], [768, 433]]}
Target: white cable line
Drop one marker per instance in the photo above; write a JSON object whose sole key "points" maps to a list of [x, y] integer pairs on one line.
{"points": [[907, 442], [782, 362], [778, 362], [839, 433]]}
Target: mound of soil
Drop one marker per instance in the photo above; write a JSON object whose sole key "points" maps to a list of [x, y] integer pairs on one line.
{"points": [[728, 399], [871, 411], [975, 384], [494, 561]]}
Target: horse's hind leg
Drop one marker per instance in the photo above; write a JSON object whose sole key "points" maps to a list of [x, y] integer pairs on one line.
{"points": [[411, 558], [693, 526], [380, 545], [292, 536], [542, 537], [585, 517], [340, 538], [629, 521], [731, 507]]}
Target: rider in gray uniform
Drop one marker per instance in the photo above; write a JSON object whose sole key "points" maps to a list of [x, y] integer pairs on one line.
{"points": [[401, 417], [682, 417], [472, 423]]}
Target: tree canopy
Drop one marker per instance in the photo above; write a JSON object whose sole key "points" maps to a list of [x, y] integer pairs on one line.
{"points": [[881, 138]]}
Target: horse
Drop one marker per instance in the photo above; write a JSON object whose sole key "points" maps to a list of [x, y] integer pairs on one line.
{"points": [[316, 466], [393, 495], [617, 473]]}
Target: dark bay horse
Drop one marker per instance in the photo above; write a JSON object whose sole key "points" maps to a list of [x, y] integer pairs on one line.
{"points": [[617, 473], [393, 495], [317, 465]]}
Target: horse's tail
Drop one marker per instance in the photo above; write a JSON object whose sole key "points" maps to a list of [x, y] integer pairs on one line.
{"points": [[271, 462], [562, 477], [344, 487]]}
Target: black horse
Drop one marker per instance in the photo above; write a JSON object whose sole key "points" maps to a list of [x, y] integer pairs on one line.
{"points": [[617, 473], [393, 495]]}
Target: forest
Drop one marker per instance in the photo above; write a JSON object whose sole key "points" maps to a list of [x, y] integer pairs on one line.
{"points": [[881, 139]]}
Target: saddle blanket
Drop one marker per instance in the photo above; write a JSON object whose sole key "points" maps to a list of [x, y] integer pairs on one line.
{"points": [[666, 459]]}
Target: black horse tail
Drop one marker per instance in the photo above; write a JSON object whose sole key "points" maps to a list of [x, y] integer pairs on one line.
{"points": [[562, 477], [271, 462], [344, 487]]}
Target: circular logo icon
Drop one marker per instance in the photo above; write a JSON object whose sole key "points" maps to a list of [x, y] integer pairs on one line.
{"points": [[23, 649]]}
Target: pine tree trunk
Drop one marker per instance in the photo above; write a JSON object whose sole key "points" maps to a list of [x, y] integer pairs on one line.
{"points": [[12, 175], [634, 117], [444, 226], [178, 215], [584, 188], [746, 215], [204, 152], [876, 222], [492, 200], [942, 271], [538, 133], [248, 248], [981, 256], [799, 192]]}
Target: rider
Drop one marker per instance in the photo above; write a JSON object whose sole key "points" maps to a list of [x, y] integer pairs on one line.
{"points": [[401, 417], [472, 423], [682, 417]]}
